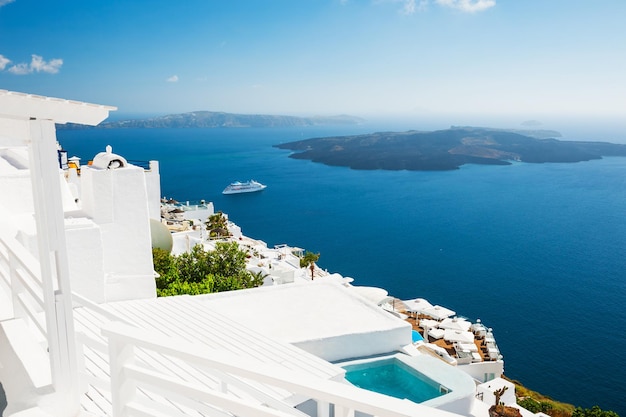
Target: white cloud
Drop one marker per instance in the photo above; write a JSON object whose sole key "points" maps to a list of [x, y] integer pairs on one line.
{"points": [[52, 67], [20, 69], [172, 79], [409, 7], [5, 2], [37, 64], [469, 6], [3, 62]]}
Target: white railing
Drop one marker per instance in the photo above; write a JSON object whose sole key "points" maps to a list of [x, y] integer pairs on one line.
{"points": [[131, 377], [21, 281]]}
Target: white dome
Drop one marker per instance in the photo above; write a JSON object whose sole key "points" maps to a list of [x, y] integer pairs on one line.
{"points": [[109, 160]]}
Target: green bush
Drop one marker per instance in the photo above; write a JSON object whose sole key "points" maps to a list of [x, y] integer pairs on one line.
{"points": [[202, 272], [594, 411]]}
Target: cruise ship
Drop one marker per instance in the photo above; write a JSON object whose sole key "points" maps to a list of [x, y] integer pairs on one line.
{"points": [[239, 187], [82, 333]]}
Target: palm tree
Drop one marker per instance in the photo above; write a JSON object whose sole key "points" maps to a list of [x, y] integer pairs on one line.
{"points": [[309, 260]]}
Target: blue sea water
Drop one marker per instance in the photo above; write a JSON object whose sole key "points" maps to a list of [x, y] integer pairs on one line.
{"points": [[536, 251]]}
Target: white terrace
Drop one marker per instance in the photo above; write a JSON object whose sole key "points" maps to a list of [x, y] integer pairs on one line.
{"points": [[63, 355]]}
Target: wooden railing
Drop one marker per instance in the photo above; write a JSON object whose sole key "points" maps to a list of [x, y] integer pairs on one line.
{"points": [[134, 384]]}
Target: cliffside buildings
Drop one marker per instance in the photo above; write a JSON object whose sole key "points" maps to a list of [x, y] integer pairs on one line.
{"points": [[82, 332]]}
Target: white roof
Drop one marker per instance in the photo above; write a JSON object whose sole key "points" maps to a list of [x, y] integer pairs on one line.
{"points": [[321, 316], [374, 294], [190, 318], [14, 105]]}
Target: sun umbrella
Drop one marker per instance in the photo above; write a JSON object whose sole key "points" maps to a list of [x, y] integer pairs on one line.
{"points": [[455, 324], [438, 312]]}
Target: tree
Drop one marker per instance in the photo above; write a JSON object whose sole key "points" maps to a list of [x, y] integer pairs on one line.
{"points": [[201, 272], [309, 260], [217, 226]]}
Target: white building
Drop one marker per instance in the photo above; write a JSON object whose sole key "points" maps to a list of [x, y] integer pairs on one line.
{"points": [[81, 332]]}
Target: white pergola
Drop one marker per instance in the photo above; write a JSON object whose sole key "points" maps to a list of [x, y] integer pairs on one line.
{"points": [[29, 120]]}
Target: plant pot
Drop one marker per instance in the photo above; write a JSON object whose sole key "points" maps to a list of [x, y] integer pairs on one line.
{"points": [[504, 411]]}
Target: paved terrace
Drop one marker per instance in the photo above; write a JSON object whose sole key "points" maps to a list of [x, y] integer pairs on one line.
{"points": [[188, 319]]}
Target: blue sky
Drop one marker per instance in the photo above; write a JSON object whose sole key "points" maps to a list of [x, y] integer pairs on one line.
{"points": [[523, 58]]}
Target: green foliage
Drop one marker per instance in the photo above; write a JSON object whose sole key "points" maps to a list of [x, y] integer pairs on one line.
{"points": [[594, 411], [165, 266], [191, 288], [201, 272], [535, 406], [534, 401], [217, 226], [308, 259]]}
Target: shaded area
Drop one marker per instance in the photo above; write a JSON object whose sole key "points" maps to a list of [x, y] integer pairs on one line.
{"points": [[446, 149], [3, 399]]}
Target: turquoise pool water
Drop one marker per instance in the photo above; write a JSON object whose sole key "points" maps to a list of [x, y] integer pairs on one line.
{"points": [[394, 378], [416, 336]]}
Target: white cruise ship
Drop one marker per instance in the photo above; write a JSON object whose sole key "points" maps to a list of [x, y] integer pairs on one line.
{"points": [[238, 187]]}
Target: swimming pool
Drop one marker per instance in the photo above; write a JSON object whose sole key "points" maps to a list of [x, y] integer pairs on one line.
{"points": [[416, 336], [393, 377]]}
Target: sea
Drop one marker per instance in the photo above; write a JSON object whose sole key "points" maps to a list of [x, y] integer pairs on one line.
{"points": [[536, 251]]}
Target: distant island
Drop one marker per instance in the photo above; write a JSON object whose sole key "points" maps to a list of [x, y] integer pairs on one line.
{"points": [[209, 119], [447, 149]]}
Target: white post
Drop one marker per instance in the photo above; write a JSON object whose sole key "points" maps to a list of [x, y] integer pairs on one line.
{"points": [[49, 218], [323, 408], [341, 411], [16, 287], [122, 389]]}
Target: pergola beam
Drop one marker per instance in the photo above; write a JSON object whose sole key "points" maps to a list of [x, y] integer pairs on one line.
{"points": [[14, 105]]}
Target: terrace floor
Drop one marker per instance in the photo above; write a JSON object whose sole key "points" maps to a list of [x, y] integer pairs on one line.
{"points": [[448, 346]]}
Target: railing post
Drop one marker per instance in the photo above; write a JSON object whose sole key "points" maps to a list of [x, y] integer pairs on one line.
{"points": [[49, 218], [323, 408], [123, 390], [16, 287], [341, 411]]}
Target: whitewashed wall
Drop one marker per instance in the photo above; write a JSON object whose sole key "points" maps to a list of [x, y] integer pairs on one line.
{"points": [[117, 200]]}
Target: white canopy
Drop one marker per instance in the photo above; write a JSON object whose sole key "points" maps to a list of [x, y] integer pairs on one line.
{"points": [[458, 336], [436, 333], [468, 347], [455, 324], [438, 312], [428, 323], [417, 305]]}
